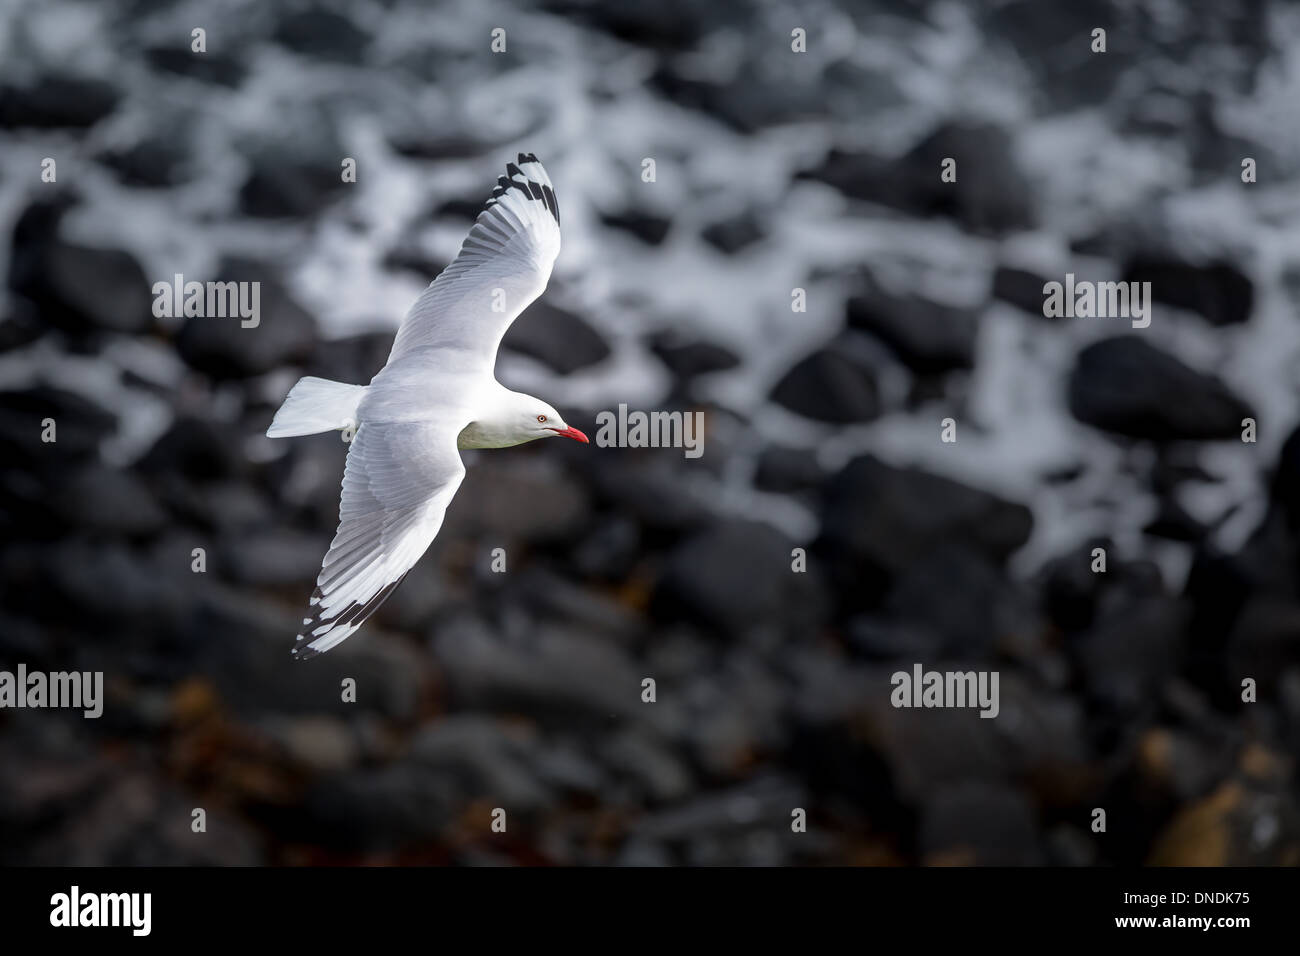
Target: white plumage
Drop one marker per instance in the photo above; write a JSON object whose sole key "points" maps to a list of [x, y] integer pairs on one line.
{"points": [[436, 394]]}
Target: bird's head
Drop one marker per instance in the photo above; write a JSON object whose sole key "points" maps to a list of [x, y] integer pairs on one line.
{"points": [[542, 421]]}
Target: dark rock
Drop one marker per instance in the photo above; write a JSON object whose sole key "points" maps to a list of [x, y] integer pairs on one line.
{"points": [[739, 711], [976, 607], [322, 33], [257, 676], [1285, 485], [1182, 764], [927, 337], [128, 592], [610, 551], [21, 327], [878, 520], [989, 196], [231, 508], [688, 359], [861, 752], [38, 786], [564, 676], [761, 91], [298, 172], [194, 448], [676, 25], [214, 66], [499, 500], [829, 387], [110, 500], [1219, 291], [456, 133], [732, 235], [104, 288], [467, 209], [784, 470], [1131, 650], [877, 638], [841, 767], [1176, 465], [1218, 586], [1036, 738], [1020, 287], [546, 594], [558, 338], [74, 287], [306, 478], [355, 359], [79, 426], [649, 762], [57, 101], [980, 824], [223, 348], [321, 744], [26, 511], [1127, 386], [740, 808], [1073, 595], [424, 594], [737, 577], [485, 758], [1264, 643], [294, 189], [157, 160], [431, 144], [1289, 704], [1235, 825], [375, 809], [36, 231], [1106, 243], [1071, 846], [272, 558], [646, 226], [411, 257], [1057, 49], [1213, 147], [133, 819], [1064, 474], [647, 485], [1174, 523]]}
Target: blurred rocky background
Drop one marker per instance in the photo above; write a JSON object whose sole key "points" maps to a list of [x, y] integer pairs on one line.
{"points": [[774, 171]]}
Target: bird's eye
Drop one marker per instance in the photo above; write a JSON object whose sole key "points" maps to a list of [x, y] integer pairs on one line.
{"points": [[541, 418]]}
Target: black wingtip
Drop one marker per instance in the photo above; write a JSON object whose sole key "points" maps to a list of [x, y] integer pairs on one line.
{"points": [[300, 651], [516, 178], [355, 613]]}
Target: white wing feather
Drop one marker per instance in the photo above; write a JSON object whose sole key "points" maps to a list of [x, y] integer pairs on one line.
{"points": [[399, 479], [403, 467], [503, 265]]}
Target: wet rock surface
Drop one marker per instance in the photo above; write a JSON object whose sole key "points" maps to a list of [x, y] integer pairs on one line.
{"points": [[1128, 386], [643, 657]]}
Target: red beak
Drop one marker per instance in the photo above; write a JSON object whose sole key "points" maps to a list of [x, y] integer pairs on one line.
{"points": [[572, 433]]}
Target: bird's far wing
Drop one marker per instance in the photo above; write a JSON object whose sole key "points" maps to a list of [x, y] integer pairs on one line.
{"points": [[502, 266], [399, 479]]}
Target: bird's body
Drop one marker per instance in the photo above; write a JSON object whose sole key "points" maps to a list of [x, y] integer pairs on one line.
{"points": [[437, 394]]}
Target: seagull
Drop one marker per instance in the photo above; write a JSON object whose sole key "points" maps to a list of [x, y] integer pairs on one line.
{"points": [[437, 394]]}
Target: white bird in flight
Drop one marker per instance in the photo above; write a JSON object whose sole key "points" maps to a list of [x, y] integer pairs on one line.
{"points": [[437, 394]]}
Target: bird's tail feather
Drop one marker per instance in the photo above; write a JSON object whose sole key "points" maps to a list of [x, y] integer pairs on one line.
{"points": [[317, 405]]}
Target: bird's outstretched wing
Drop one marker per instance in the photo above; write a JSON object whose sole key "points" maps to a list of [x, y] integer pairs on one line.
{"points": [[502, 266], [399, 479]]}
